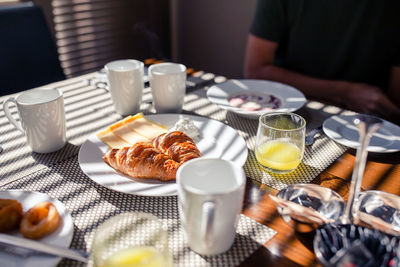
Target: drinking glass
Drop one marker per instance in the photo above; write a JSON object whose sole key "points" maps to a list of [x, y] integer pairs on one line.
{"points": [[309, 205], [379, 210], [280, 141], [131, 239]]}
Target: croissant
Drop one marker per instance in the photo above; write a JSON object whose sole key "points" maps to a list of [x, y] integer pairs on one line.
{"points": [[161, 161], [142, 160], [177, 145]]}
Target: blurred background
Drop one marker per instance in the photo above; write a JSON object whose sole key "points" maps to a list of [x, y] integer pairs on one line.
{"points": [[208, 35]]}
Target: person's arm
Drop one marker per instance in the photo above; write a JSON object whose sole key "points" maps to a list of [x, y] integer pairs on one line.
{"points": [[394, 85], [364, 98], [394, 91], [259, 64]]}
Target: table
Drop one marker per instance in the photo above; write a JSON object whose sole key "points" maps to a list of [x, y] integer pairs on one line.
{"points": [[287, 248], [294, 248]]}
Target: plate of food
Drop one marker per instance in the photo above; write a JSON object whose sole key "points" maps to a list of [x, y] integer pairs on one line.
{"points": [[21, 210], [251, 98], [341, 128], [140, 154]]}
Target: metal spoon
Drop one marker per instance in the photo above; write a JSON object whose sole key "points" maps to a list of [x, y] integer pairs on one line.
{"points": [[367, 125], [310, 137]]}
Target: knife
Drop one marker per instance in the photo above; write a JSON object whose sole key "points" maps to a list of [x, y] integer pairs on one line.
{"points": [[77, 255]]}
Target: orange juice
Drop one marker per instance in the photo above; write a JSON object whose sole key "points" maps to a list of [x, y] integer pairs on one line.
{"points": [[137, 256], [279, 155]]}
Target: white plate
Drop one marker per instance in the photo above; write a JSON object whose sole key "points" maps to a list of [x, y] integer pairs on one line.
{"points": [[343, 130], [291, 98], [61, 237], [217, 140]]}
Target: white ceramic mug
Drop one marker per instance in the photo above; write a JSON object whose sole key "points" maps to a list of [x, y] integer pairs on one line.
{"points": [[210, 197], [168, 86], [125, 79], [42, 116]]}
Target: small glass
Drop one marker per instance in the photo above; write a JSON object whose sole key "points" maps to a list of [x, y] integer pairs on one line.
{"points": [[131, 239], [309, 204], [340, 245], [379, 210], [280, 141]]}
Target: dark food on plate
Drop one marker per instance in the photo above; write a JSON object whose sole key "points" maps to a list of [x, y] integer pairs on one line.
{"points": [[39, 221], [10, 214], [159, 160]]}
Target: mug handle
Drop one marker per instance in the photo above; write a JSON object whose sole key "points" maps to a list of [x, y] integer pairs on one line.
{"points": [[207, 221], [9, 116]]}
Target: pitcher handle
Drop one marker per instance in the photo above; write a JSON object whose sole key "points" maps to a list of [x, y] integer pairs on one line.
{"points": [[9, 116], [207, 221]]}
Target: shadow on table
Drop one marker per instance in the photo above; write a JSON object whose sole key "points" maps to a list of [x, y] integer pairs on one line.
{"points": [[263, 257], [388, 158], [162, 207], [241, 249], [304, 173], [48, 159]]}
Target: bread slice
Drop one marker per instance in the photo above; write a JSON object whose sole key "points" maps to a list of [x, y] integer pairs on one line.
{"points": [[131, 130], [144, 126], [127, 134], [112, 140]]}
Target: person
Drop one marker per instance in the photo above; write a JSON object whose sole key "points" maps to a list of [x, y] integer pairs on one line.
{"points": [[341, 52]]}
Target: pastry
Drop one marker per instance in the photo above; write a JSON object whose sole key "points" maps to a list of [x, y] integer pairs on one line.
{"points": [[39, 221], [10, 214]]}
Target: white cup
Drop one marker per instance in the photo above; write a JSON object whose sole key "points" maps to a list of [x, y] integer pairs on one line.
{"points": [[42, 116], [125, 79], [210, 197], [168, 86]]}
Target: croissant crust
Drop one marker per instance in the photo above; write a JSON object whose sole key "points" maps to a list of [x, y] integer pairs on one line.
{"points": [[159, 160]]}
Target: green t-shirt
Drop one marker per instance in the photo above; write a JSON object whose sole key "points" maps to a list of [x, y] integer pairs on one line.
{"points": [[353, 40]]}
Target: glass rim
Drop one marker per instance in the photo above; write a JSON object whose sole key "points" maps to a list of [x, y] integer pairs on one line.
{"points": [[99, 247], [135, 65], [153, 69], [110, 221], [20, 99], [268, 114]]}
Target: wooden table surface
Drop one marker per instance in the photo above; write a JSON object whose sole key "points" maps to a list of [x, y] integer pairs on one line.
{"points": [[292, 247]]}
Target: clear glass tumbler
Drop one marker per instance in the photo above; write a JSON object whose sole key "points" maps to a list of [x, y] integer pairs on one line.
{"points": [[280, 141], [131, 239]]}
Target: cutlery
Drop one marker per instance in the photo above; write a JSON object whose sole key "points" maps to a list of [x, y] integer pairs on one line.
{"points": [[17, 251], [367, 125], [77, 255], [310, 137]]}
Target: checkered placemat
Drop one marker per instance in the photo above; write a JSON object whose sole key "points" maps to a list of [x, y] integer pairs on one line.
{"points": [[90, 204]]}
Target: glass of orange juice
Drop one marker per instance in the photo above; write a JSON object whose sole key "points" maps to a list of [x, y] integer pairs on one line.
{"points": [[131, 239], [280, 141]]}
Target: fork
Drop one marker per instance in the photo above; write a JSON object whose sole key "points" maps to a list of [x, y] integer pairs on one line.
{"points": [[310, 137], [17, 251]]}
